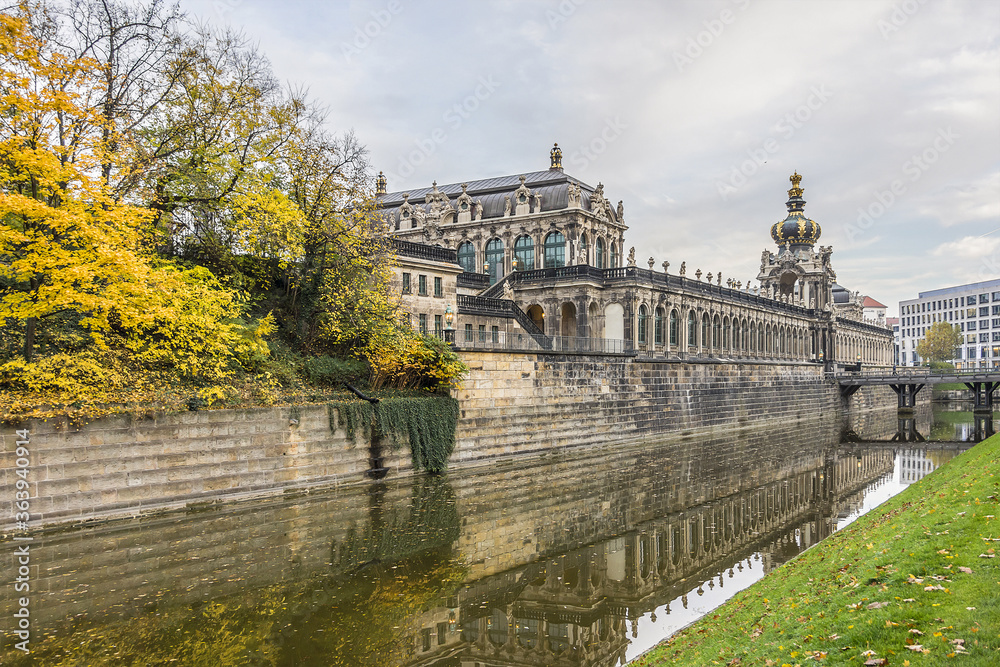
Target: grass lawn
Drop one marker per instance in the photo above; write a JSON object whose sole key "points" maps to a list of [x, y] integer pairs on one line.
{"points": [[914, 582]]}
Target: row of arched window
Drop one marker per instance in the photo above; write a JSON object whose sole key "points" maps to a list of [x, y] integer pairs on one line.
{"points": [[553, 255], [719, 334], [855, 348]]}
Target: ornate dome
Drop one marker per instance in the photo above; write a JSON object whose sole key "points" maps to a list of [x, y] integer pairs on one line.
{"points": [[796, 231]]}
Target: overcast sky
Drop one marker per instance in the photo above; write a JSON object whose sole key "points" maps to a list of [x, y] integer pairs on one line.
{"points": [[693, 113]]}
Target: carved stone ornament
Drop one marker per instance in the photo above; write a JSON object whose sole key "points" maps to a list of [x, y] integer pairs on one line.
{"points": [[719, 280], [697, 274], [479, 210], [666, 265], [506, 206], [522, 205], [631, 256], [464, 204], [683, 268], [406, 209], [440, 204], [574, 196], [598, 204], [651, 262], [709, 277], [621, 211]]}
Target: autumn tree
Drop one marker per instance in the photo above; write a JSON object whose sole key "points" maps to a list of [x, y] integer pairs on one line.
{"points": [[138, 49], [74, 257], [939, 343]]}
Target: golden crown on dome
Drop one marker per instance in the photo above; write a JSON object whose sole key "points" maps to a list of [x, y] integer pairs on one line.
{"points": [[796, 231]]}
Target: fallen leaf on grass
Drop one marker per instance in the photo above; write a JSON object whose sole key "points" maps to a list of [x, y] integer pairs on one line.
{"points": [[918, 647], [962, 568], [915, 580], [875, 662], [868, 653], [878, 605], [935, 587], [915, 632], [987, 555], [909, 600]]}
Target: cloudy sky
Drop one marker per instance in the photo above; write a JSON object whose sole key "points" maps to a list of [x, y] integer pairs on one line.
{"points": [[693, 113]]}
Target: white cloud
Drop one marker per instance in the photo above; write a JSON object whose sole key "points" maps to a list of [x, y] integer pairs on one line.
{"points": [[687, 127]]}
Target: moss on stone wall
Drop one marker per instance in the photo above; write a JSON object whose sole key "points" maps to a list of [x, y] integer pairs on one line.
{"points": [[428, 424]]}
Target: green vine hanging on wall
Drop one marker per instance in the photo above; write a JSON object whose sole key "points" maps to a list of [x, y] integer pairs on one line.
{"points": [[427, 423]]}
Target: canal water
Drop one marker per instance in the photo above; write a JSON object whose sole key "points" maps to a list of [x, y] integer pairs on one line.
{"points": [[578, 559]]}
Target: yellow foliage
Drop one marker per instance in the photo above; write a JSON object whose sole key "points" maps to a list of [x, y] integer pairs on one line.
{"points": [[409, 360]]}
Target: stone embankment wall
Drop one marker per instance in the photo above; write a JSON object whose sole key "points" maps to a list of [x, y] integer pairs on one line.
{"points": [[119, 466], [532, 403], [513, 405]]}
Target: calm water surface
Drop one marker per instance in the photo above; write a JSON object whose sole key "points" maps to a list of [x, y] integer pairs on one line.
{"points": [[576, 560]]}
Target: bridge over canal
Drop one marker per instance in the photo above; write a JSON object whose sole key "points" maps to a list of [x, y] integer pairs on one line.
{"points": [[908, 382]]}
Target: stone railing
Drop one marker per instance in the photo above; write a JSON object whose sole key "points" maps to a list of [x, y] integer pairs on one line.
{"points": [[634, 274], [487, 307], [422, 251], [477, 281]]}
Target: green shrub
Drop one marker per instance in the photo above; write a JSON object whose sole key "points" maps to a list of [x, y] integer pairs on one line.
{"points": [[332, 372], [941, 366]]}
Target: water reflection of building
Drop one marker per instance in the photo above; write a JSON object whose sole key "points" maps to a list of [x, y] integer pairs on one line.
{"points": [[915, 464], [580, 607]]}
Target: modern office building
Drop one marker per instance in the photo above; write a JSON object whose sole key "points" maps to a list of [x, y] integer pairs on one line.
{"points": [[893, 323], [974, 308]]}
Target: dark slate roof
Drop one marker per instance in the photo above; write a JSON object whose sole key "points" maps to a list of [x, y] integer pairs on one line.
{"points": [[841, 294], [552, 184]]}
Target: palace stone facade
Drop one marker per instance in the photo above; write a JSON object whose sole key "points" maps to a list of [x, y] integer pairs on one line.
{"points": [[543, 267]]}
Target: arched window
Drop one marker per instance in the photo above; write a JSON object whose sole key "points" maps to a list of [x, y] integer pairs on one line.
{"points": [[643, 316], [716, 333], [599, 253], [705, 331], [467, 257], [692, 329], [673, 328], [613, 263], [658, 327], [524, 253], [496, 627], [494, 257], [555, 250]]}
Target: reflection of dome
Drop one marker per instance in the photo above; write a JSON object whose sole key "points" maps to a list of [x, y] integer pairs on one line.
{"points": [[796, 231]]}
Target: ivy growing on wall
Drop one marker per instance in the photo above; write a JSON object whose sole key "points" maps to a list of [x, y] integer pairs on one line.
{"points": [[427, 423]]}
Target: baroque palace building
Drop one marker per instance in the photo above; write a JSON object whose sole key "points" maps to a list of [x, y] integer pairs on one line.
{"points": [[537, 261]]}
